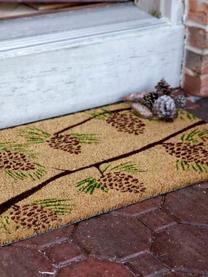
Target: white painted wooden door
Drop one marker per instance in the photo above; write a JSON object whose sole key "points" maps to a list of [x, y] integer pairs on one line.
{"points": [[61, 63]]}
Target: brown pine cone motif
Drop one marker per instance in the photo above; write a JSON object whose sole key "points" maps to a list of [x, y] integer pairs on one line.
{"points": [[15, 161], [70, 143], [121, 182], [188, 152], [66, 143], [126, 122], [33, 216]]}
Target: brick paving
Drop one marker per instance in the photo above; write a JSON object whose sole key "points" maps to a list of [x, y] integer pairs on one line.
{"points": [[166, 236]]}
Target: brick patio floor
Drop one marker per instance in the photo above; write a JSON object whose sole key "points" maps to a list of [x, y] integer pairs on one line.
{"points": [[166, 236]]}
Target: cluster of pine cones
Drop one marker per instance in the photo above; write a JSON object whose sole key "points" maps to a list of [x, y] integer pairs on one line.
{"points": [[159, 103]]}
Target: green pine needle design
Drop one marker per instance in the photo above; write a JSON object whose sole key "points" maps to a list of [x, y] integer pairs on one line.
{"points": [[195, 136], [86, 138], [35, 175], [14, 147], [4, 223], [34, 135], [58, 206], [182, 114], [103, 114], [89, 185], [198, 167], [125, 167]]}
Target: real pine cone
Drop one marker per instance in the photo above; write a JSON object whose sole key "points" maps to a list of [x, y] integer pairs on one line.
{"points": [[187, 151], [180, 101], [126, 122], [164, 108], [66, 143], [15, 161], [142, 110], [33, 216], [149, 99], [121, 182], [163, 88]]}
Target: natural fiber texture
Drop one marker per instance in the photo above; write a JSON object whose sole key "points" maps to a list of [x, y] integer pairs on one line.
{"points": [[70, 168]]}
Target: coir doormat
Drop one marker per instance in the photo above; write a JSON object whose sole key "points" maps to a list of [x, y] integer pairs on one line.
{"points": [[63, 170]]}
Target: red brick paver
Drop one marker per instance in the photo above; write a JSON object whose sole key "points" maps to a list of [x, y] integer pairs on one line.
{"points": [[166, 236], [113, 236], [95, 268], [183, 248]]}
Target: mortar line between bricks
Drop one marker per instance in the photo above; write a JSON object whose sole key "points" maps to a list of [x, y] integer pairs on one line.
{"points": [[152, 232], [162, 202], [153, 236], [194, 224], [82, 248], [186, 270], [164, 209], [130, 269], [132, 256], [12, 201], [156, 257], [135, 215], [168, 212], [70, 262]]}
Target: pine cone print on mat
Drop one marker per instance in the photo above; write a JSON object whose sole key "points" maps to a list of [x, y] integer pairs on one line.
{"points": [[40, 215], [66, 143], [188, 152], [70, 143], [126, 122], [33, 216], [122, 182], [16, 162], [118, 178], [191, 152]]}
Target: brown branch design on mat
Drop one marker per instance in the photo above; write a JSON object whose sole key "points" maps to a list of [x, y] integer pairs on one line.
{"points": [[12, 201], [107, 115], [126, 122], [72, 142], [93, 115], [191, 152]]}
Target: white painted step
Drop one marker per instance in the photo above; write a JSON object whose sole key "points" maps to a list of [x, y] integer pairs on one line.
{"points": [[61, 63], [72, 20]]}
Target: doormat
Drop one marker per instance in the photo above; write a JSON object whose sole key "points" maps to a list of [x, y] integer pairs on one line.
{"points": [[70, 168]]}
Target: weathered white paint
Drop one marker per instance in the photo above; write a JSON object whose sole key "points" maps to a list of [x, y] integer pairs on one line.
{"points": [[149, 5], [55, 74], [172, 10]]}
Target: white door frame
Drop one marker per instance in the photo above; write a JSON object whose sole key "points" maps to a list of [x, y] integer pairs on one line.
{"points": [[171, 10]]}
